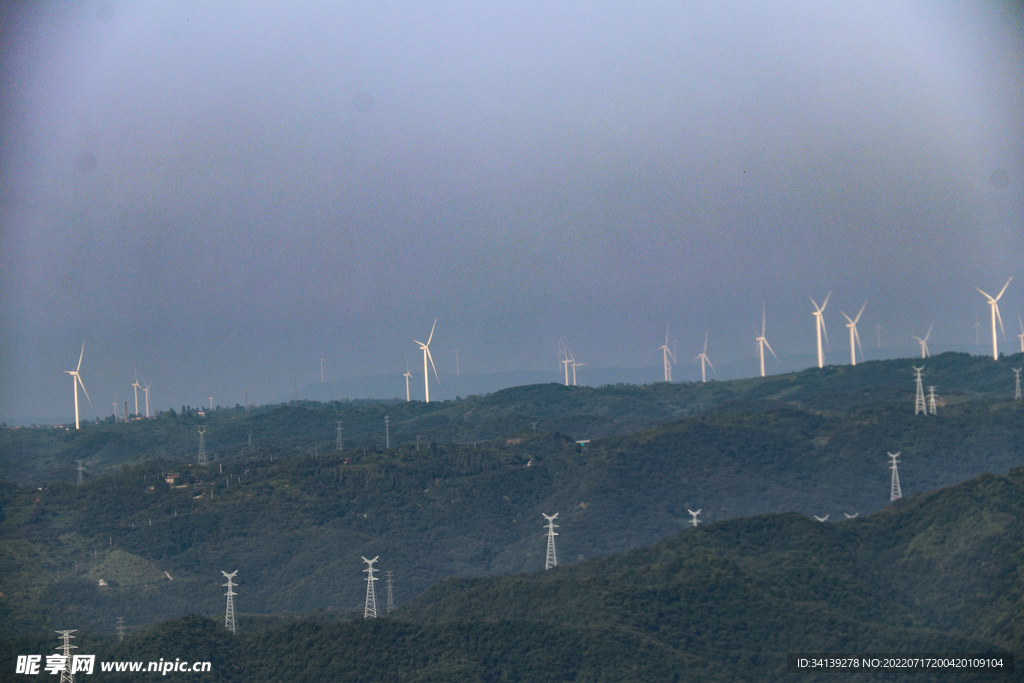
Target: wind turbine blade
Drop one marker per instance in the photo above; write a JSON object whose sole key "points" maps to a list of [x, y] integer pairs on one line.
{"points": [[82, 384], [80, 358], [847, 318], [929, 331], [816, 306], [762, 318], [670, 354], [1000, 294], [431, 358], [711, 364], [995, 307], [769, 347], [705, 342], [990, 299], [855, 320], [825, 302], [431, 332]]}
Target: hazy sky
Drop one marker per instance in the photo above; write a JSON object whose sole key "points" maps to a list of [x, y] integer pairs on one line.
{"points": [[220, 192]]}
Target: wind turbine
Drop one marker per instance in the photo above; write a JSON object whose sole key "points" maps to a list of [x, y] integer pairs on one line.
{"points": [[703, 357], [76, 380], [666, 355], [854, 335], [574, 364], [924, 342], [993, 303], [407, 375], [762, 342], [819, 323], [426, 356], [146, 390], [1021, 335], [137, 386], [564, 360]]}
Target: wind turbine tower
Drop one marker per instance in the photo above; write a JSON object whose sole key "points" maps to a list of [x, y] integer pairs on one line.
{"points": [[427, 356], [819, 326], [407, 376], [1021, 335], [65, 649], [703, 358], [919, 406], [229, 613], [693, 515], [136, 386], [203, 462], [551, 559], [1016, 393], [145, 390], [924, 342], [667, 357], [370, 610], [854, 335], [762, 342], [894, 489], [76, 381], [993, 303]]}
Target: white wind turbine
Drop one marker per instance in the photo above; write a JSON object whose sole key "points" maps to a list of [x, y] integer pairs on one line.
{"points": [[564, 360], [145, 389], [762, 342], [574, 364], [407, 375], [993, 303], [924, 342], [854, 335], [427, 356], [667, 357], [819, 323], [1021, 335], [136, 386], [703, 357], [76, 381]]}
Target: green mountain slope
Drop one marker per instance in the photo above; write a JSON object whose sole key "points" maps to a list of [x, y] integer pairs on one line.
{"points": [[940, 573]]}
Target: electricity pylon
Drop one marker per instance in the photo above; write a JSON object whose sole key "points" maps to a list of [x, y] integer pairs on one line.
{"points": [[551, 560], [1016, 393], [694, 515], [391, 595], [120, 629], [66, 647], [341, 443], [202, 446], [919, 406], [931, 400], [370, 610], [79, 468], [894, 490], [229, 614]]}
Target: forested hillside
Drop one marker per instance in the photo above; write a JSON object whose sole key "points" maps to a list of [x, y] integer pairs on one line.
{"points": [[939, 573]]}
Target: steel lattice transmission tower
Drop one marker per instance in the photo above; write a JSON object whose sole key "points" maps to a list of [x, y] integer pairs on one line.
{"points": [[120, 629], [693, 514], [341, 443], [391, 594], [370, 610], [551, 560], [66, 647], [202, 446], [931, 400], [229, 613], [894, 490], [79, 468], [1016, 393], [919, 406]]}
